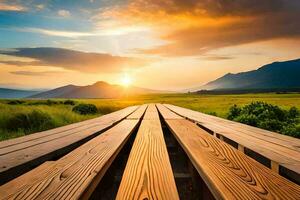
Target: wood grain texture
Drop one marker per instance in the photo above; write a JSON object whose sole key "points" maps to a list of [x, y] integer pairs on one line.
{"points": [[138, 113], [283, 150], [284, 156], [151, 113], [280, 139], [229, 173], [148, 173], [36, 148], [75, 175], [167, 113]]}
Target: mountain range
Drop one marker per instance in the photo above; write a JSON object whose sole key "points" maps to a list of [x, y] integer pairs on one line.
{"points": [[99, 89], [277, 75], [15, 93]]}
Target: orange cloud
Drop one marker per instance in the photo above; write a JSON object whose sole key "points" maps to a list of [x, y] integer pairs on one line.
{"points": [[11, 7], [72, 60], [194, 27]]}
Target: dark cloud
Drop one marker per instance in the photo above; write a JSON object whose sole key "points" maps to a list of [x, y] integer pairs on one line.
{"points": [[199, 40], [31, 73], [211, 24], [72, 60], [217, 57]]}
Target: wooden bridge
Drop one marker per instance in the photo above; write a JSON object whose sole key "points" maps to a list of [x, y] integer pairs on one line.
{"points": [[151, 151]]}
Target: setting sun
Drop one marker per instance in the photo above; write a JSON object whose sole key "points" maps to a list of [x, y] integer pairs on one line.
{"points": [[126, 80]]}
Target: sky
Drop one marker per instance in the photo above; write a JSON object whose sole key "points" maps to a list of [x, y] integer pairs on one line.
{"points": [[157, 44]]}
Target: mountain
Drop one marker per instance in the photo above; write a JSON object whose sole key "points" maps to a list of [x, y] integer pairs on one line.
{"points": [[98, 90], [15, 93], [56, 93], [277, 75]]}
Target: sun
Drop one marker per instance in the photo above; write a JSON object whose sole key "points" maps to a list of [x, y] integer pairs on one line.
{"points": [[126, 80]]}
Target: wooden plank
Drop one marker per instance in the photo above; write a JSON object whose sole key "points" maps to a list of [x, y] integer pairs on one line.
{"points": [[229, 173], [280, 152], [275, 166], [241, 148], [148, 173], [285, 157], [167, 113], [21, 154], [238, 137], [75, 175], [138, 113], [268, 136], [151, 112]]}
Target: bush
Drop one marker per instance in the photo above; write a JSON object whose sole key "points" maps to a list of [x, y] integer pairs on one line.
{"points": [[48, 102], [292, 130], [85, 109], [15, 102], [234, 111], [294, 112], [212, 113], [33, 121], [267, 116], [251, 119], [51, 102], [69, 102]]}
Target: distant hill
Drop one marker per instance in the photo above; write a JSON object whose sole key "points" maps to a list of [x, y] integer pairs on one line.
{"points": [[285, 75], [98, 90], [56, 93], [6, 93]]}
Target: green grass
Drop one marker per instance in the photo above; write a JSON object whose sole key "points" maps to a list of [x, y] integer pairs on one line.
{"points": [[62, 114]]}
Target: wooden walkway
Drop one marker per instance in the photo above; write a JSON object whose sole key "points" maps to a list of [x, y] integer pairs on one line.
{"points": [[168, 152]]}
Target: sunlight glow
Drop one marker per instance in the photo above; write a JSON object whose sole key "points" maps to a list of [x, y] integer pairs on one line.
{"points": [[126, 80]]}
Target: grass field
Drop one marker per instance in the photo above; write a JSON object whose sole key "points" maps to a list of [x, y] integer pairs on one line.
{"points": [[61, 114]]}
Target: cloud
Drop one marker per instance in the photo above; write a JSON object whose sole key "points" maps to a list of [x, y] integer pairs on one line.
{"points": [[11, 7], [194, 27], [58, 33], [32, 73], [217, 57], [64, 13], [19, 63], [73, 60], [40, 6], [76, 34]]}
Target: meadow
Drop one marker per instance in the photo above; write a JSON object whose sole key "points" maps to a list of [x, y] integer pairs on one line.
{"points": [[57, 113]]}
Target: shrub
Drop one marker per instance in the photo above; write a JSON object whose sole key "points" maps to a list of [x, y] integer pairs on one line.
{"points": [[48, 102], [264, 111], [212, 113], [51, 102], [33, 121], [15, 102], [251, 119], [294, 112], [234, 111], [267, 116], [69, 102], [85, 109], [292, 130]]}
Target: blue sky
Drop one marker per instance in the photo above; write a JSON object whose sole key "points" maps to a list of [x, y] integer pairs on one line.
{"points": [[91, 40], [16, 25]]}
